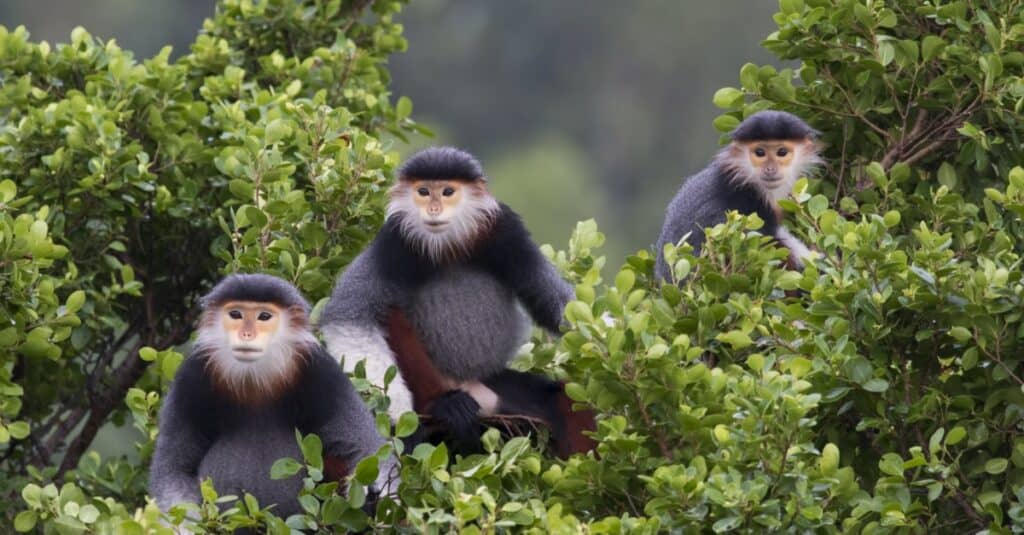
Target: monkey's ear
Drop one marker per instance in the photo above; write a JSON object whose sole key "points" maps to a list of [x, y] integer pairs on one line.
{"points": [[815, 143]]}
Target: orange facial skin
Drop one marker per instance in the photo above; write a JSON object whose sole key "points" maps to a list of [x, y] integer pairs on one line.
{"points": [[250, 326], [772, 157], [437, 200]]}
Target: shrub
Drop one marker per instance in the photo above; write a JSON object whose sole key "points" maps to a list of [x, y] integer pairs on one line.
{"points": [[879, 390]]}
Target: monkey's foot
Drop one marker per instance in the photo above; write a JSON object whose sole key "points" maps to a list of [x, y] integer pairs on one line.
{"points": [[456, 411]]}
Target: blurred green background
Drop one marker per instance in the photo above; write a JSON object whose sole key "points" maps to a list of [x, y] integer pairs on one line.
{"points": [[577, 108]]}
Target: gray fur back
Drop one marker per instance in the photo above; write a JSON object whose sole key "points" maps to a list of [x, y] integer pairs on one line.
{"points": [[470, 324], [240, 462], [698, 204]]}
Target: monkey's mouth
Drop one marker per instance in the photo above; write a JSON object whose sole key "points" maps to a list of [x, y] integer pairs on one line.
{"points": [[247, 354], [773, 180], [436, 226]]}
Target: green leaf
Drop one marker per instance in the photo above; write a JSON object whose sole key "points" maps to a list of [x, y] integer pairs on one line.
{"points": [[725, 123], [961, 334], [996, 466], [7, 191], [407, 424], [8, 337], [749, 77], [255, 216], [284, 468], [74, 302], [403, 108], [312, 451], [817, 205], [275, 131], [89, 514], [19, 430], [955, 435], [32, 494], [68, 525], [891, 464], [309, 504], [367, 470], [886, 52], [829, 459], [727, 98], [728, 523], [931, 46], [876, 385], [947, 175], [25, 521], [799, 366], [575, 391], [736, 339], [1017, 177], [242, 189], [170, 364]]}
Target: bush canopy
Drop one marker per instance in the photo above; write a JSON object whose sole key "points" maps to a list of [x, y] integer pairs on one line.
{"points": [[880, 390]]}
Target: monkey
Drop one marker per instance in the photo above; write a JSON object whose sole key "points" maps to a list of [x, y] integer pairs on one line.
{"points": [[462, 268], [768, 152], [255, 375]]}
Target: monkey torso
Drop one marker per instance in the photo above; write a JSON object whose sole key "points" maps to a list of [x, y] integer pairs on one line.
{"points": [[240, 457], [235, 444], [470, 323], [702, 202], [472, 311]]}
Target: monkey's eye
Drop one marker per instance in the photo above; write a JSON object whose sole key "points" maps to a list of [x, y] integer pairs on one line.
{"points": [[423, 192], [264, 316], [759, 152], [448, 192], [235, 314], [782, 152]]}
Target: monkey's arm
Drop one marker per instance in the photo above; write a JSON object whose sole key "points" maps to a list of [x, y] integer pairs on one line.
{"points": [[342, 420], [512, 256], [180, 444], [414, 362], [798, 252], [352, 325]]}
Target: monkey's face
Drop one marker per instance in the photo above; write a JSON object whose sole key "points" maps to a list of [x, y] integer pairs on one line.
{"points": [[772, 160], [442, 217], [770, 165], [439, 202], [250, 328]]}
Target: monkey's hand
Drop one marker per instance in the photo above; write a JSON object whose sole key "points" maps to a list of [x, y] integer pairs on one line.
{"points": [[456, 411], [372, 497]]}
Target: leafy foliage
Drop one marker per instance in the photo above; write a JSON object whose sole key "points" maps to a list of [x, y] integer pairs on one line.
{"points": [[259, 150], [879, 390]]}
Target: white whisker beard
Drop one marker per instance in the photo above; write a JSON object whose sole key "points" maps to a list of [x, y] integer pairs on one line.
{"points": [[741, 171], [263, 377], [472, 215]]}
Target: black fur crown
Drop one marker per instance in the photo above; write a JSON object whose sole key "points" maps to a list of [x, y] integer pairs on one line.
{"points": [[255, 287], [441, 163], [772, 125]]}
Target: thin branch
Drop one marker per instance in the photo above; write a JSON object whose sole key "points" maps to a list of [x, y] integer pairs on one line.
{"points": [[961, 500], [356, 14]]}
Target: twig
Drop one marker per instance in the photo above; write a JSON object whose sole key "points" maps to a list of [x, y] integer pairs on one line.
{"points": [[356, 13]]}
